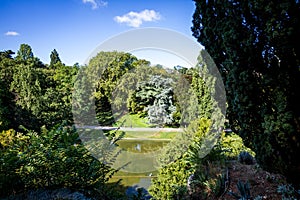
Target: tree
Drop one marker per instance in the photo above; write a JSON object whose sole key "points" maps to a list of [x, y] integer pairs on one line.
{"points": [[28, 92], [54, 58], [104, 72], [162, 110], [154, 98], [7, 65], [42, 96], [25, 53], [255, 47], [60, 92]]}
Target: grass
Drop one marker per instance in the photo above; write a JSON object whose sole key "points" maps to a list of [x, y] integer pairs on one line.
{"points": [[164, 135], [133, 120]]}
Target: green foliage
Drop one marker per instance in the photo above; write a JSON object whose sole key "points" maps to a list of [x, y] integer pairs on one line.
{"points": [[244, 190], [171, 180], [208, 182], [201, 87], [33, 106], [52, 159], [193, 157], [253, 45], [26, 87], [199, 148], [207, 159], [175, 149], [109, 67], [7, 65], [156, 96], [25, 53], [11, 145], [232, 145]]}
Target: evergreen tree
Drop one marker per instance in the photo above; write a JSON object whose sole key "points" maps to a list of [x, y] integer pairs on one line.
{"points": [[255, 46], [54, 58], [7, 105]]}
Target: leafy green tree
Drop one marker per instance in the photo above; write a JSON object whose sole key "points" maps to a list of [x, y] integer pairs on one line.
{"points": [[255, 47], [42, 95], [104, 72], [25, 53], [60, 92], [28, 93]]}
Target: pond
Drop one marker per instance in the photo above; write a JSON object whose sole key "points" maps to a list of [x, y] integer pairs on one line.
{"points": [[142, 155]]}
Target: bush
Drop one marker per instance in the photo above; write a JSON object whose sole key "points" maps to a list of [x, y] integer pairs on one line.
{"points": [[246, 158], [171, 181], [232, 145], [10, 141], [53, 159]]}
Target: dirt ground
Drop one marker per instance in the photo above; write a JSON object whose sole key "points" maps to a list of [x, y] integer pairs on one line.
{"points": [[261, 182]]}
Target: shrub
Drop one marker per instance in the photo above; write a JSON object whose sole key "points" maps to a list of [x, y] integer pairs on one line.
{"points": [[55, 158], [232, 145], [246, 158], [10, 181], [171, 181]]}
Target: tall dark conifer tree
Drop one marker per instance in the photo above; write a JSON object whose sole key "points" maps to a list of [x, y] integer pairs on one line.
{"points": [[256, 48]]}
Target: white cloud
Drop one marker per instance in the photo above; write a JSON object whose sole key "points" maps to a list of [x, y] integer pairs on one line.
{"points": [[96, 3], [12, 33], [135, 19]]}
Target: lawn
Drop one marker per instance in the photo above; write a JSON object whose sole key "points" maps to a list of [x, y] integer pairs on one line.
{"points": [[132, 120]]}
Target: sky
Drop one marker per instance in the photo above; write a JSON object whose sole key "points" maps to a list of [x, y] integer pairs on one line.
{"points": [[76, 27]]}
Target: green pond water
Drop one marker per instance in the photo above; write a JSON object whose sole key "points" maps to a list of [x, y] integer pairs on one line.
{"points": [[142, 157]]}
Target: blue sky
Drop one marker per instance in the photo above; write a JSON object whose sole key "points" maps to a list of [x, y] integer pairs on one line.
{"points": [[76, 27]]}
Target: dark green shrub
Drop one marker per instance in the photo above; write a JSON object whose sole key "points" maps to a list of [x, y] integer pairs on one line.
{"points": [[246, 158]]}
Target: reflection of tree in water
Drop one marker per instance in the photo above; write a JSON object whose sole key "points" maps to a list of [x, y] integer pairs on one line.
{"points": [[140, 146], [152, 148]]}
